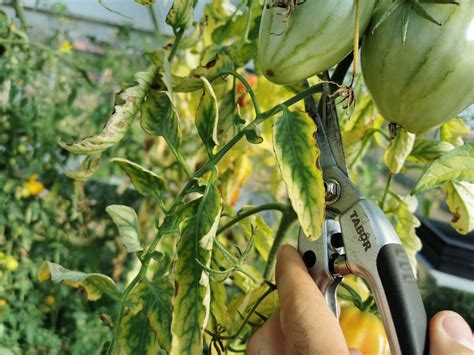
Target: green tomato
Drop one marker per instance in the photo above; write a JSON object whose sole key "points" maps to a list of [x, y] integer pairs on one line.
{"points": [[11, 263], [311, 38], [427, 79]]}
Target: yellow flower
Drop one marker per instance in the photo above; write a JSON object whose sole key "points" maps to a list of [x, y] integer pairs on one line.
{"points": [[33, 186], [65, 47]]}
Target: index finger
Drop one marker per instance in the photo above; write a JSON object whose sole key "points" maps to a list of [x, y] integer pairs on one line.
{"points": [[307, 322]]}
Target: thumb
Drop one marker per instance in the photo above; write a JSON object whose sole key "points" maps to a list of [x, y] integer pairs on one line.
{"points": [[306, 321], [450, 334]]}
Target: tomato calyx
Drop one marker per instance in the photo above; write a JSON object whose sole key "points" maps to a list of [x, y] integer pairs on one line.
{"points": [[407, 6]]}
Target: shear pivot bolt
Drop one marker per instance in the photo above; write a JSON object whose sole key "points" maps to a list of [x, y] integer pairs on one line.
{"points": [[333, 190]]}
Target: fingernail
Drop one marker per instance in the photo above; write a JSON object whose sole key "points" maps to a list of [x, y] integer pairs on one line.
{"points": [[457, 329]]}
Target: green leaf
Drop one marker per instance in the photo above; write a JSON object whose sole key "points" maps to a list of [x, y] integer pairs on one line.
{"points": [[457, 164], [453, 131], [92, 285], [192, 298], [146, 325], [460, 200], [145, 181], [297, 155], [398, 150], [126, 220], [427, 150], [207, 117], [180, 15], [159, 118], [119, 123]]}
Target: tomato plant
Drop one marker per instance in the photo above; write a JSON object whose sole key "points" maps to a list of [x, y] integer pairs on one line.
{"points": [[220, 168]]}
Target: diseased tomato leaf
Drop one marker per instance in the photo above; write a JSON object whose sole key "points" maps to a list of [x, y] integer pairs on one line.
{"points": [[297, 156], [128, 106], [427, 150], [180, 15], [456, 165], [460, 200], [398, 150], [453, 131], [92, 285], [192, 298], [146, 325], [207, 117]]}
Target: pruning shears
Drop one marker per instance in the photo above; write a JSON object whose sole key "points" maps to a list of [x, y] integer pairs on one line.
{"points": [[358, 239]]}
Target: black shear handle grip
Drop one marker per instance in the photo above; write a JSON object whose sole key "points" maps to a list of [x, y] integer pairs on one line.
{"points": [[403, 299]]}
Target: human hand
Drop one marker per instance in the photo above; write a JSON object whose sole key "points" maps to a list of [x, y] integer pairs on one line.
{"points": [[304, 324]]}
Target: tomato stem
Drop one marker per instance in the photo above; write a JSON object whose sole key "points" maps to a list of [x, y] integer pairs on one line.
{"points": [[356, 40]]}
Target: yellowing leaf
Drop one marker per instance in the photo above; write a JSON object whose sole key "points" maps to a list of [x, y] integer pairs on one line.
{"points": [[262, 233], [92, 285], [207, 116], [126, 220], [159, 118], [457, 164], [453, 131], [297, 155], [460, 200], [88, 167], [180, 15], [146, 326], [360, 122], [192, 299], [398, 150], [145, 181], [118, 124]]}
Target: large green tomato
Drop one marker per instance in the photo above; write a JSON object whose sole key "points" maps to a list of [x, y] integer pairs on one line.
{"points": [[313, 37], [428, 79]]}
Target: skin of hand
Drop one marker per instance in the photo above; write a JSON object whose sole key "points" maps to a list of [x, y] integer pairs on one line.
{"points": [[304, 324]]}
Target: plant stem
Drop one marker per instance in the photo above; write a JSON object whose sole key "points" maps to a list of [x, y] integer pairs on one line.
{"points": [[356, 39], [240, 216], [385, 193], [154, 20], [289, 216], [20, 14], [179, 36], [248, 87]]}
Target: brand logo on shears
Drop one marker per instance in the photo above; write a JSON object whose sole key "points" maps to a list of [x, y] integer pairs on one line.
{"points": [[363, 235]]}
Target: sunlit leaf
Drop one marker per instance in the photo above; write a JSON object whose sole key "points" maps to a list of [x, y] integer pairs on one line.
{"points": [[207, 117], [159, 118], [427, 150], [297, 155], [192, 299], [129, 104], [180, 15], [226, 127], [146, 325], [145, 181], [457, 164], [241, 171], [453, 131], [92, 285], [360, 122], [460, 200], [126, 220], [398, 150]]}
